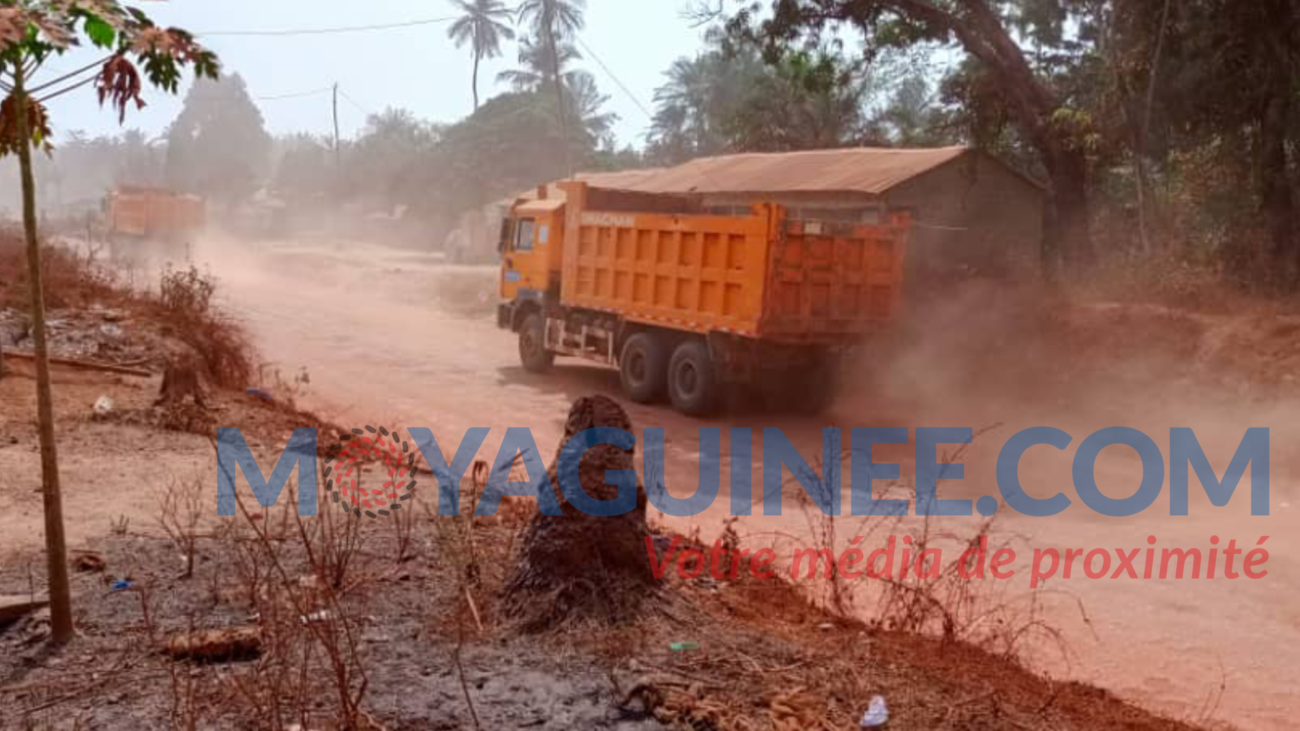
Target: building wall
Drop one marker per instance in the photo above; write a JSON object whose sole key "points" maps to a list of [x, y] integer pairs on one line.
{"points": [[972, 216]]}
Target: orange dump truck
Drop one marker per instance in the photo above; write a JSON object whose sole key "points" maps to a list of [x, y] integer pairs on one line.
{"points": [[152, 213], [686, 302]]}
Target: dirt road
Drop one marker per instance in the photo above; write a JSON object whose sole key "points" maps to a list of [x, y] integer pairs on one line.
{"points": [[367, 325]]}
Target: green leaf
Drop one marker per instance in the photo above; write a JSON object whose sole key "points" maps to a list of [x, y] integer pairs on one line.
{"points": [[100, 31]]}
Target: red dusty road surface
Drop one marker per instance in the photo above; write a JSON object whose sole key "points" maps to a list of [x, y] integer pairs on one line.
{"points": [[367, 324]]}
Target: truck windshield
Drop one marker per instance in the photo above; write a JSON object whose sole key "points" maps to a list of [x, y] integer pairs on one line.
{"points": [[524, 238]]}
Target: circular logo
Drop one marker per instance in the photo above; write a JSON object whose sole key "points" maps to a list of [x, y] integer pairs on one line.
{"points": [[346, 461]]}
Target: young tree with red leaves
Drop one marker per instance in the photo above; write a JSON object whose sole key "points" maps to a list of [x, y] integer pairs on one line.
{"points": [[136, 52]]}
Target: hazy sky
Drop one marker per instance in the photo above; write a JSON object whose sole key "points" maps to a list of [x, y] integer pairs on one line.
{"points": [[417, 67]]}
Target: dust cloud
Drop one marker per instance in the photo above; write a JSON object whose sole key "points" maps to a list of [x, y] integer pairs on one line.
{"points": [[395, 335]]}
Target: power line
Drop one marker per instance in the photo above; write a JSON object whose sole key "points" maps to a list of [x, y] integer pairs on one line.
{"points": [[615, 79], [356, 105], [295, 95], [328, 31]]}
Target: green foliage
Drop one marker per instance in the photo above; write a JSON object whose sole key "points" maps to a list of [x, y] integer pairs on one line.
{"points": [[218, 146], [727, 99], [583, 99], [33, 31], [537, 64], [392, 161], [483, 27], [912, 118], [100, 32], [563, 18], [304, 168], [806, 100], [512, 143]]}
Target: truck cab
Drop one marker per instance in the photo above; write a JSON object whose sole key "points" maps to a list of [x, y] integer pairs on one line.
{"points": [[531, 245]]}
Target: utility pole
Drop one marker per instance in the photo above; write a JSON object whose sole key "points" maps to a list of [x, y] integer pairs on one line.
{"points": [[337, 166]]}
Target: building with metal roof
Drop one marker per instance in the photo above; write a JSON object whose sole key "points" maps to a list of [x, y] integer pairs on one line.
{"points": [[972, 213]]}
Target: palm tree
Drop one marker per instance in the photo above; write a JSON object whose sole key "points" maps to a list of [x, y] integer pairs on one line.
{"points": [[481, 27], [581, 96], [553, 21], [698, 100], [536, 67], [588, 105]]}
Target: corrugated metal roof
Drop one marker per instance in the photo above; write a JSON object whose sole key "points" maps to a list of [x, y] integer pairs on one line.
{"points": [[869, 170]]}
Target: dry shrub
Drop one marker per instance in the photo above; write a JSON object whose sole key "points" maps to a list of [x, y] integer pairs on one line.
{"points": [[941, 599], [1167, 278], [1185, 278], [69, 279], [185, 304], [181, 505], [308, 631]]}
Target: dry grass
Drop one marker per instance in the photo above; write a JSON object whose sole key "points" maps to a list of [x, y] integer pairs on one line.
{"points": [[182, 308], [69, 279], [184, 302]]}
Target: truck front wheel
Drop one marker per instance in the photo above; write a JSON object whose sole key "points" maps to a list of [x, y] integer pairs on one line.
{"points": [[643, 367], [532, 345], [692, 380]]}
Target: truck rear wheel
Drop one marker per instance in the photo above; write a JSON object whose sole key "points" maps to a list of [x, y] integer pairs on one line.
{"points": [[692, 380], [532, 345], [643, 367]]}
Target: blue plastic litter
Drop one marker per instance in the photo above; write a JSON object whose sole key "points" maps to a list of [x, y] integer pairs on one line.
{"points": [[121, 585], [877, 714], [260, 393]]}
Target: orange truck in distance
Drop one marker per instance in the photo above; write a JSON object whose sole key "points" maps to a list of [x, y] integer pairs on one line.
{"points": [[686, 303], [152, 214]]}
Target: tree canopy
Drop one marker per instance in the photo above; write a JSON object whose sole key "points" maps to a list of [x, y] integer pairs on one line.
{"points": [[218, 146]]}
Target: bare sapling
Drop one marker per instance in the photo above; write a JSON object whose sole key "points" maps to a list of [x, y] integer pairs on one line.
{"points": [[180, 512]]}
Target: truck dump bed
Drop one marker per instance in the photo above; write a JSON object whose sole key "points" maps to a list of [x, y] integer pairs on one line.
{"points": [[762, 275], [147, 212]]}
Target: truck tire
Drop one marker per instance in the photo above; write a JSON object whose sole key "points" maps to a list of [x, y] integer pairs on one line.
{"points": [[532, 345], [643, 368], [692, 379]]}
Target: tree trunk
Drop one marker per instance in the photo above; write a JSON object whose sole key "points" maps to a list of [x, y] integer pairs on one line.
{"points": [[579, 565], [1144, 139], [1066, 239], [982, 33], [1275, 190], [559, 96], [1273, 173], [474, 83], [55, 548]]}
